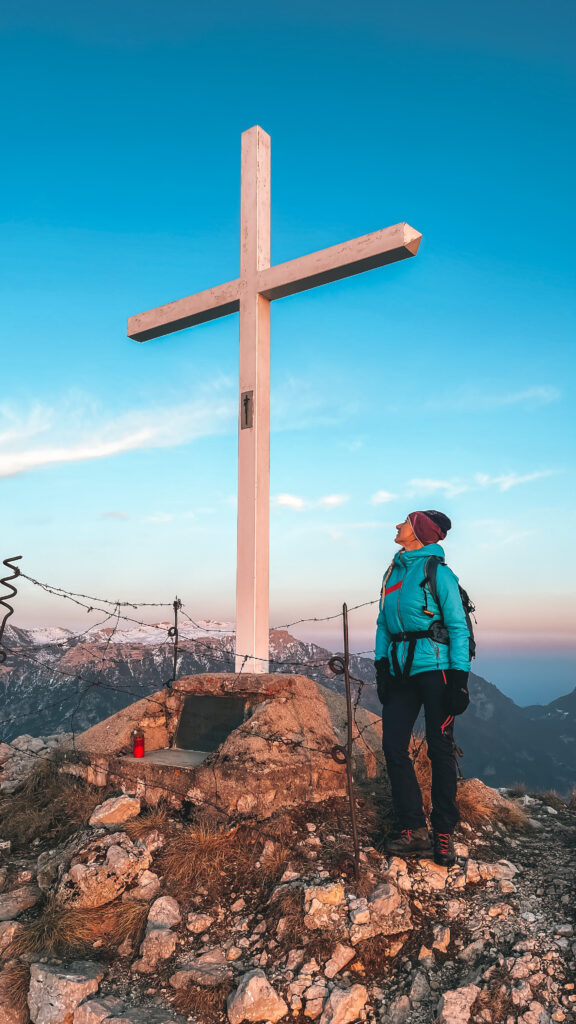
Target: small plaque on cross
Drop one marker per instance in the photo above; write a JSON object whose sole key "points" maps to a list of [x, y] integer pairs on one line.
{"points": [[246, 410]]}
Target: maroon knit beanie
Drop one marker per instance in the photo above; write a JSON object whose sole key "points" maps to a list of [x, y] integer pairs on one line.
{"points": [[429, 526]]}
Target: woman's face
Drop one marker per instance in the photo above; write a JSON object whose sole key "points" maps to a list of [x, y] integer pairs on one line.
{"points": [[405, 534]]}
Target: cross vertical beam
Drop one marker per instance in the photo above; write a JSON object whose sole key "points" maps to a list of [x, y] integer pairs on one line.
{"points": [[252, 580], [250, 295]]}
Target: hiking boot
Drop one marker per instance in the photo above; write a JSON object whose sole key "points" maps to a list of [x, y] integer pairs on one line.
{"points": [[444, 852], [409, 842]]}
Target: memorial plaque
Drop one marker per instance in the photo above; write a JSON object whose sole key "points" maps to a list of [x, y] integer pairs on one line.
{"points": [[205, 722]]}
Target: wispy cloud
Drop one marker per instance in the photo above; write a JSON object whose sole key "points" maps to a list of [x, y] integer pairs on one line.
{"points": [[296, 502], [332, 500], [492, 533], [113, 514], [381, 497], [479, 399], [69, 434], [289, 501], [298, 403], [507, 480], [427, 485], [480, 481]]}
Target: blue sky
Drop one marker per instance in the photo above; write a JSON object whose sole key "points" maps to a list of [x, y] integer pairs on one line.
{"points": [[445, 381]]}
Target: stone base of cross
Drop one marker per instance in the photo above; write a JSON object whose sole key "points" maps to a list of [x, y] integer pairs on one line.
{"points": [[251, 295]]}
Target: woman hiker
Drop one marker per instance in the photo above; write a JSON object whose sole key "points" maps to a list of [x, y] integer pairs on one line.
{"points": [[418, 665]]}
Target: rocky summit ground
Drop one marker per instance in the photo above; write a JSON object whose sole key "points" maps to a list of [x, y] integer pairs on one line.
{"points": [[110, 911]]}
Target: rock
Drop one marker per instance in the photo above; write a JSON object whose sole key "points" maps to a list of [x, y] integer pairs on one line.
{"points": [[388, 913], [158, 944], [116, 810], [56, 990], [17, 901], [126, 948], [164, 913], [472, 952], [454, 1006], [143, 1015], [102, 869], [8, 931], [6, 752], [321, 905], [344, 1005], [52, 863], [341, 955], [433, 876], [502, 870], [314, 997], [398, 1011], [198, 923], [535, 1014], [441, 938], [419, 989], [28, 744], [93, 1011], [359, 911], [255, 1000], [147, 888], [209, 969]]}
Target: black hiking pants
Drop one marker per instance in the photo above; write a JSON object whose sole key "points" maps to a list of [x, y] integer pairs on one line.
{"points": [[398, 717]]}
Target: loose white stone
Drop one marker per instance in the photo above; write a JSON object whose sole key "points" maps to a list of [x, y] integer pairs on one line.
{"points": [[116, 810], [255, 1000]]}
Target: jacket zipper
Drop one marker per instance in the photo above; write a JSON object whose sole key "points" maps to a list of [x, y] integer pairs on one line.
{"points": [[400, 618]]}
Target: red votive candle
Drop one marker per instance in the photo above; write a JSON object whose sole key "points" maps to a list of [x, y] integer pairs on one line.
{"points": [[138, 743]]}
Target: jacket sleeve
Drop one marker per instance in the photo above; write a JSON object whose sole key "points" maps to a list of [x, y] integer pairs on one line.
{"points": [[382, 634], [454, 618]]}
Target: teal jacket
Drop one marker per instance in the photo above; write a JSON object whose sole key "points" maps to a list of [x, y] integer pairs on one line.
{"points": [[402, 609]]}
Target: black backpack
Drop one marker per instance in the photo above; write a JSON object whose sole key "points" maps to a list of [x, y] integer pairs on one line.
{"points": [[430, 572]]}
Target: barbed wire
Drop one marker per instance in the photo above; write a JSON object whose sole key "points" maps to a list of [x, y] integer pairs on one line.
{"points": [[101, 600], [34, 652], [71, 595]]}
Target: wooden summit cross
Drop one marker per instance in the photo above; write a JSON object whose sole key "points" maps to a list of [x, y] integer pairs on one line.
{"points": [[251, 295]]}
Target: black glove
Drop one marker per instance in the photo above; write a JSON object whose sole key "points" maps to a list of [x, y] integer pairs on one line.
{"points": [[383, 679], [456, 696]]}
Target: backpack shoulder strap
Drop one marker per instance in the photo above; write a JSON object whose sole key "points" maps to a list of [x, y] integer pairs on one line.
{"points": [[430, 573]]}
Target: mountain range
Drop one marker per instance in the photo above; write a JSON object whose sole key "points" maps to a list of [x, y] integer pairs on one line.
{"points": [[57, 681]]}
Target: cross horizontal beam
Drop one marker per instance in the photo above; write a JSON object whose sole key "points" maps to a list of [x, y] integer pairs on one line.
{"points": [[388, 245], [365, 253], [194, 309]]}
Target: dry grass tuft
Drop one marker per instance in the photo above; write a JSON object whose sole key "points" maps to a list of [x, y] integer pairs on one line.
{"points": [[198, 857], [517, 789], [478, 805], [14, 985], [208, 857], [62, 930], [204, 1004], [552, 799], [49, 806], [152, 819], [496, 998], [373, 954], [289, 908]]}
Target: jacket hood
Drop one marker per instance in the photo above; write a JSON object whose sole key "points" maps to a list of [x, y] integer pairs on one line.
{"points": [[406, 557]]}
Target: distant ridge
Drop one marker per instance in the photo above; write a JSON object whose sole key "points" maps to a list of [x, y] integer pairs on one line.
{"points": [[58, 681]]}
